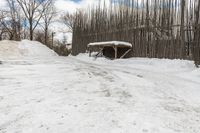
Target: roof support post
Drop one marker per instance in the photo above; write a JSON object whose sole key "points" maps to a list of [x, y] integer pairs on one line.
{"points": [[125, 53], [115, 48], [90, 51]]}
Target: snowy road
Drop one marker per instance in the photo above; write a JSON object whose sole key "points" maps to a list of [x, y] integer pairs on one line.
{"points": [[43, 93], [71, 95]]}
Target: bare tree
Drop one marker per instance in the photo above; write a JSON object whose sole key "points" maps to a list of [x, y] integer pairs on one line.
{"points": [[197, 15], [11, 20], [182, 33], [15, 18], [49, 13], [33, 11], [1, 25], [6, 25], [68, 19]]}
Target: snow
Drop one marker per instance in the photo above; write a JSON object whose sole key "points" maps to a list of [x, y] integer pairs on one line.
{"points": [[52, 94], [24, 48], [115, 43], [9, 48], [33, 48]]}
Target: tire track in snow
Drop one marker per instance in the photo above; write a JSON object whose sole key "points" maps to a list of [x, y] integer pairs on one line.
{"points": [[168, 100]]}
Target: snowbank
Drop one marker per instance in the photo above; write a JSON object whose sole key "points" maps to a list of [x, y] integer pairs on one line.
{"points": [[149, 64], [24, 48], [34, 48], [9, 49]]}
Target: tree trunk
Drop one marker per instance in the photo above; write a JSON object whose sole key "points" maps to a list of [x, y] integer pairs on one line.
{"points": [[182, 32], [31, 29], [46, 36]]}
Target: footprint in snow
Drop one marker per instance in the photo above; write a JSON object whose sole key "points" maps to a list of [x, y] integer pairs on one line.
{"points": [[140, 76], [1, 98]]}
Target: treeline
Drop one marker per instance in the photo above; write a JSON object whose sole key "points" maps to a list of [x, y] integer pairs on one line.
{"points": [[21, 18], [156, 28], [29, 19]]}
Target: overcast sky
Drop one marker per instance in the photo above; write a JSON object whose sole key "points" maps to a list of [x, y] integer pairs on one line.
{"points": [[72, 5], [65, 5]]}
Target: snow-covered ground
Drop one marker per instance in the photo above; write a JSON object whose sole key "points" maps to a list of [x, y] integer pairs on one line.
{"points": [[41, 92]]}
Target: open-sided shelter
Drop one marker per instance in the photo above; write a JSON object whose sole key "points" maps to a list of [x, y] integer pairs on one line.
{"points": [[111, 49]]}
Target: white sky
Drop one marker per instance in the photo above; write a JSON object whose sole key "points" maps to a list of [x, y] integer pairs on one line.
{"points": [[2, 4], [71, 6], [65, 5]]}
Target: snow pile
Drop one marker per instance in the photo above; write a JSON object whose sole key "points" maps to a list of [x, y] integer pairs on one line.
{"points": [[33, 48], [24, 48], [158, 65], [9, 49]]}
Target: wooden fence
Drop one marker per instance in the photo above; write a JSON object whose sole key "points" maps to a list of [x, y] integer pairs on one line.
{"points": [[156, 28]]}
